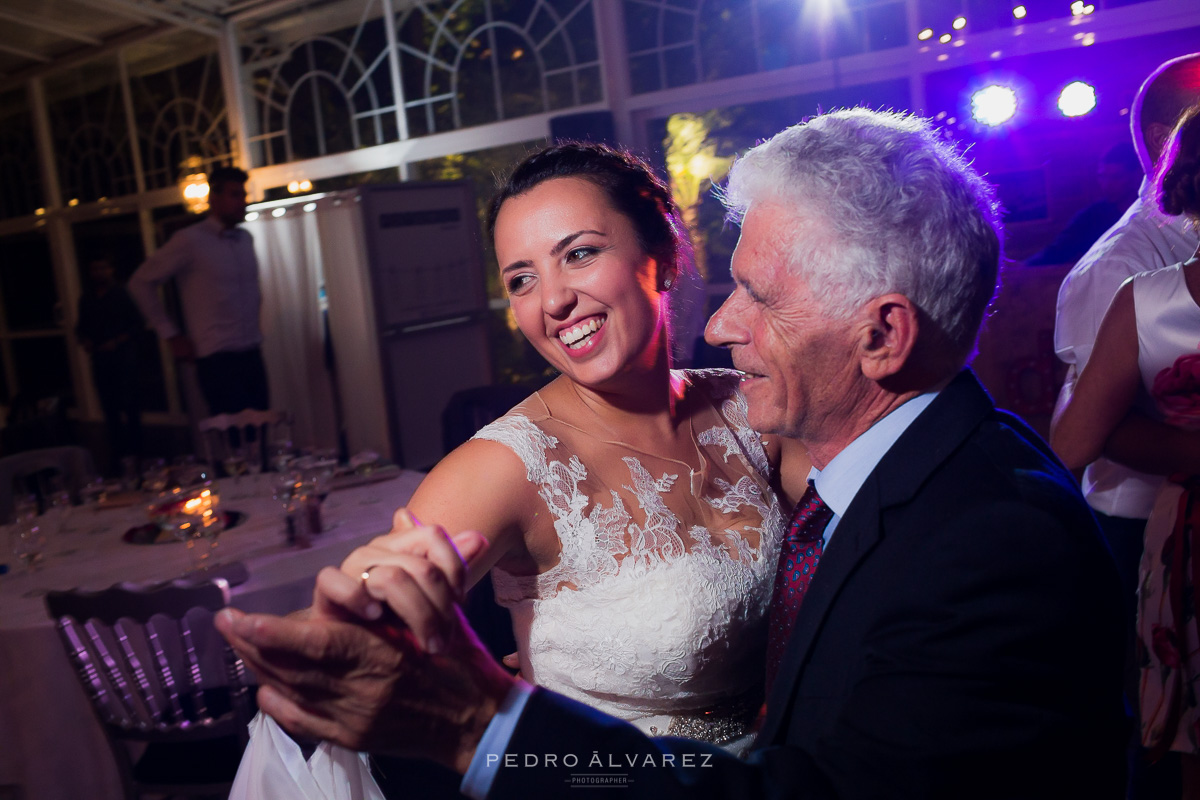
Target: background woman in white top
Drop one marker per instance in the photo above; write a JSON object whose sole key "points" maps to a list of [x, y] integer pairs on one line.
{"points": [[1147, 356]]}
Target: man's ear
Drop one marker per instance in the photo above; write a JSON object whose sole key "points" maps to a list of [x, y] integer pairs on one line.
{"points": [[888, 336], [1156, 139]]}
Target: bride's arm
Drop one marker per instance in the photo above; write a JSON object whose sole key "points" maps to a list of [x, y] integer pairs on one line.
{"points": [[1105, 390], [480, 487]]}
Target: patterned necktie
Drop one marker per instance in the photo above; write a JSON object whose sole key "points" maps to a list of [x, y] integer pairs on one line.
{"points": [[798, 558]]}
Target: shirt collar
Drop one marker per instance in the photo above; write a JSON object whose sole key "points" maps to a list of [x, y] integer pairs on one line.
{"points": [[842, 477], [215, 226]]}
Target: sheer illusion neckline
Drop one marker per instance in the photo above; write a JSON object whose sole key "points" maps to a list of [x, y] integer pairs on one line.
{"points": [[696, 477]]}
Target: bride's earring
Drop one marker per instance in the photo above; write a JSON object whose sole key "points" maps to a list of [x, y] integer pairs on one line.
{"points": [[667, 283]]}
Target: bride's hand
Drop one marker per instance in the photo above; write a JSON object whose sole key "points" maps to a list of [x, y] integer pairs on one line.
{"points": [[416, 569]]}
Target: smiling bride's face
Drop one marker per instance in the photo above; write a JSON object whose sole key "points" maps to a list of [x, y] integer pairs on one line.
{"points": [[581, 287]]}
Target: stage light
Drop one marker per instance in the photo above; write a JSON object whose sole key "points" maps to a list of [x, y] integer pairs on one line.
{"points": [[310, 206], [278, 212], [959, 23], [253, 215], [993, 105], [1019, 12], [945, 37], [1077, 99], [925, 34]]}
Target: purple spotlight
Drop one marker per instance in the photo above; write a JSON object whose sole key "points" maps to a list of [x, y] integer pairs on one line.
{"points": [[994, 105], [1076, 99]]}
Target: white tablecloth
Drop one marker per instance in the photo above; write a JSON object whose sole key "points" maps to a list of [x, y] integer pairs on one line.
{"points": [[50, 742]]}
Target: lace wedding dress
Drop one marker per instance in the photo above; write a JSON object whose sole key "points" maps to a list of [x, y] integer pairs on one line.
{"points": [[655, 612]]}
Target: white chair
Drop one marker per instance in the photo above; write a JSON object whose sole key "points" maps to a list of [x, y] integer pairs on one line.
{"points": [[159, 675], [223, 434]]}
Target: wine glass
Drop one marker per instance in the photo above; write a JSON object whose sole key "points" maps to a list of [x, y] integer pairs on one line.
{"points": [[282, 454], [321, 473], [93, 491], [156, 476], [57, 512], [235, 464], [28, 542], [25, 507], [253, 455]]}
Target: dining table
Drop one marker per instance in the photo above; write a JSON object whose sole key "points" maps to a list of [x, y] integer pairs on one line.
{"points": [[51, 745]]}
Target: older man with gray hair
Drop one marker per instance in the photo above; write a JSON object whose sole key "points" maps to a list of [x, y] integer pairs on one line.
{"points": [[946, 622]]}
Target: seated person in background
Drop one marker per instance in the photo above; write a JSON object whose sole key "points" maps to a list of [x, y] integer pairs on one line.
{"points": [[1147, 356], [1118, 178], [946, 620]]}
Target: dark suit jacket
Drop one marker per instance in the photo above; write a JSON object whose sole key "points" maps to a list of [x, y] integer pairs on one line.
{"points": [[963, 638]]}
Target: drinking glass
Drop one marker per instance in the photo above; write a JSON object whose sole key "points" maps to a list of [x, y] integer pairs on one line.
{"points": [[56, 513], [281, 454], [93, 491], [193, 516], [156, 476], [322, 474], [28, 543], [25, 507], [235, 465]]}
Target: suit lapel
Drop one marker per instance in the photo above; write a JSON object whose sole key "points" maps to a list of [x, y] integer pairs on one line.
{"points": [[930, 439], [861, 532]]}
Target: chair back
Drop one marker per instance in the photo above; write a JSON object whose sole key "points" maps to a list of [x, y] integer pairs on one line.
{"points": [[224, 433], [151, 662], [73, 463]]}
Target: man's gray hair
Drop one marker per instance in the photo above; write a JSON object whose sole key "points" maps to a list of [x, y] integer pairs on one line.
{"points": [[908, 212]]}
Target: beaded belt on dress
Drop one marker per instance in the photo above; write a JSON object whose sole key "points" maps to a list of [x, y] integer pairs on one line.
{"points": [[723, 723]]}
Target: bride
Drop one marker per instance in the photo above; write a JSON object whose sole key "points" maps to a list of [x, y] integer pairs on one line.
{"points": [[633, 516]]}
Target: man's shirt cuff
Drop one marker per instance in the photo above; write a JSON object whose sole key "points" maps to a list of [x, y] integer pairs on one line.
{"points": [[488, 755]]}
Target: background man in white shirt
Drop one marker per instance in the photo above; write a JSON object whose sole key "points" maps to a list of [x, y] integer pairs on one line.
{"points": [[215, 268], [1143, 239]]}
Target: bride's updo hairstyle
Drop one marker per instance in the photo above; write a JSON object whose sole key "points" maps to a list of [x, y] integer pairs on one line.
{"points": [[1178, 179], [630, 184]]}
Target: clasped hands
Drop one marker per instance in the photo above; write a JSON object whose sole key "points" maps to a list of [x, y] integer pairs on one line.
{"points": [[383, 661]]}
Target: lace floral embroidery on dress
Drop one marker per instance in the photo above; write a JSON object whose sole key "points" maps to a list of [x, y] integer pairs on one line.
{"points": [[647, 613], [595, 543]]}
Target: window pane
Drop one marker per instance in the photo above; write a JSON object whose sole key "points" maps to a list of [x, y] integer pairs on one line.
{"points": [[91, 137], [20, 183], [27, 282]]}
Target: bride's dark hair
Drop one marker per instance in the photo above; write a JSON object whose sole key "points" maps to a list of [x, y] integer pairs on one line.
{"points": [[1178, 178], [630, 184]]}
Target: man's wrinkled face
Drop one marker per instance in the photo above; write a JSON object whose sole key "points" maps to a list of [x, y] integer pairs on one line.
{"points": [[801, 374]]}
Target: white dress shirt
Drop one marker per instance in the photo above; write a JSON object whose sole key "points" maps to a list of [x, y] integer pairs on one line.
{"points": [[1143, 239], [837, 484], [217, 275]]}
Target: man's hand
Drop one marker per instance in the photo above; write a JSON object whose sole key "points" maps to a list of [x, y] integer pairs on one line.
{"points": [[182, 348], [370, 687]]}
